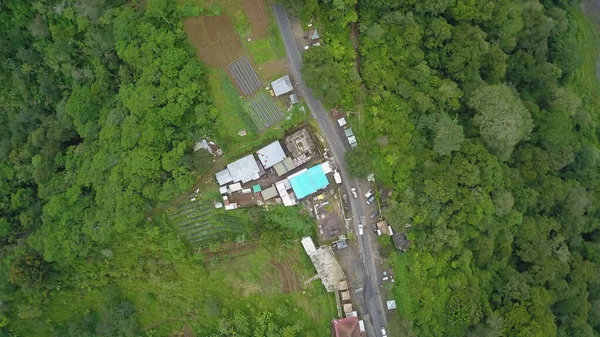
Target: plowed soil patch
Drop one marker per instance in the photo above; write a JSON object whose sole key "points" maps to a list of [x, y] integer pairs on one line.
{"points": [[218, 44], [289, 279], [257, 15]]}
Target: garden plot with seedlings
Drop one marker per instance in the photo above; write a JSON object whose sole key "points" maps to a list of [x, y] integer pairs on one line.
{"points": [[200, 224], [245, 76], [263, 110]]}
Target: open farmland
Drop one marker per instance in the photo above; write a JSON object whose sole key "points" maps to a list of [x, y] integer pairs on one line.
{"points": [[201, 224], [245, 76], [263, 110]]}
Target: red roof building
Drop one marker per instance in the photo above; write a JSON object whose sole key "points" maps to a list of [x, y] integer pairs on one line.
{"points": [[346, 327]]}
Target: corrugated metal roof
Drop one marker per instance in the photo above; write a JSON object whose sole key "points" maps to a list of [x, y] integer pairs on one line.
{"points": [[269, 193], [271, 154], [244, 169], [224, 177], [282, 85]]}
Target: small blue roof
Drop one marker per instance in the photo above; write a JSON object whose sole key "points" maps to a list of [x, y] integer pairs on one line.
{"points": [[309, 182]]}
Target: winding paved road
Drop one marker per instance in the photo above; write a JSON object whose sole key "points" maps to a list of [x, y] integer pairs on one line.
{"points": [[372, 300]]}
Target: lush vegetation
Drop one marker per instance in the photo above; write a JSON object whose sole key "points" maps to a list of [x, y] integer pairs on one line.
{"points": [[101, 102], [480, 115]]}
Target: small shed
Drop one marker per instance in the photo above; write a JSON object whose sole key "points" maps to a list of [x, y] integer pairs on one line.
{"points": [[345, 295], [337, 177], [256, 188], [293, 99], [352, 140], [282, 85], [391, 305], [343, 285], [341, 121], [348, 307], [269, 193]]}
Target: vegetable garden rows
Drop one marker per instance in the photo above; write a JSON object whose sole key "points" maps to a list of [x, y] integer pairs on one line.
{"points": [[201, 224], [263, 110]]}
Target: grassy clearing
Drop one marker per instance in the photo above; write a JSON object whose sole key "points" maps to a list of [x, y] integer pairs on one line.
{"points": [[275, 38], [231, 117], [261, 50], [584, 81]]}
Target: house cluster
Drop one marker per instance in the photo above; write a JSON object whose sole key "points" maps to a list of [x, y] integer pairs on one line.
{"points": [[275, 174]]}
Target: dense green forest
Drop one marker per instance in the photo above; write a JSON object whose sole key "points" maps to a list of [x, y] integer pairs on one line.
{"points": [[482, 117], [100, 104]]}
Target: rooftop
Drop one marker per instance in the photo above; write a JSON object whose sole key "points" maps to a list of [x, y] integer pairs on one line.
{"points": [[327, 267], [244, 169], [284, 166], [282, 85], [299, 143], [309, 181], [346, 327], [224, 177], [269, 193], [271, 154]]}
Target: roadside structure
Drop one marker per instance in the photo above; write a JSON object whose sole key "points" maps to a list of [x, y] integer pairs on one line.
{"points": [[328, 269], [346, 327], [282, 85], [308, 181]]}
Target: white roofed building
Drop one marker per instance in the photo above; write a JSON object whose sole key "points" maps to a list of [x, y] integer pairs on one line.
{"points": [[271, 154], [282, 85], [244, 169]]}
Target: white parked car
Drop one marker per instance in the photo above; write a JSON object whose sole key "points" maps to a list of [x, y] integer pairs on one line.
{"points": [[369, 194], [354, 192], [360, 229], [383, 333]]}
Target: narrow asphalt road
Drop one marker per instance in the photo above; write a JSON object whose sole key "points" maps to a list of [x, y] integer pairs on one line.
{"points": [[372, 300]]}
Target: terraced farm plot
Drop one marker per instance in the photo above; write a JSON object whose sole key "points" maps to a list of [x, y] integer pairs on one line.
{"points": [[263, 110], [245, 76], [201, 224]]}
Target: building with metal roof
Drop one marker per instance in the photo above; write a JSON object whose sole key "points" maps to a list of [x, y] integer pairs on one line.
{"points": [[244, 169], [284, 166], [269, 193], [223, 177], [271, 154], [282, 85], [309, 181]]}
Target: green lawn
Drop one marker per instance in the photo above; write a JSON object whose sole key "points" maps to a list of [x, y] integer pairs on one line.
{"points": [[261, 50]]}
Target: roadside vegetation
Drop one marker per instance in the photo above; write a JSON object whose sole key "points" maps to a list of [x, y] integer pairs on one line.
{"points": [[483, 117], [102, 102]]}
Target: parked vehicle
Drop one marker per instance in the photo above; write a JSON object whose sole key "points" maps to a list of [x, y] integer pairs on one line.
{"points": [[360, 229], [374, 227], [369, 194], [354, 192], [374, 214], [383, 332], [370, 200]]}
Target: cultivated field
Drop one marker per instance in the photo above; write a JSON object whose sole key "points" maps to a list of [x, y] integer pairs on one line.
{"points": [[215, 38], [263, 110], [245, 76], [201, 224]]}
